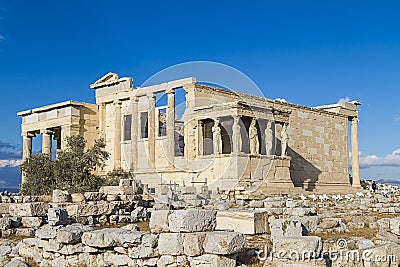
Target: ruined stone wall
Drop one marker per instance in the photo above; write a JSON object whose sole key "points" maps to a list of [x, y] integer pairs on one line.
{"points": [[318, 145]]}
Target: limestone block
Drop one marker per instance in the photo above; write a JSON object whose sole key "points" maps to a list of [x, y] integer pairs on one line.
{"points": [[110, 237], [28, 209], [34, 222], [94, 196], [142, 252], [71, 249], [4, 208], [5, 223], [112, 259], [394, 224], [192, 220], [57, 216], [170, 244], [25, 232], [16, 263], [309, 247], [71, 234], [61, 196], [209, 260], [91, 209], [385, 255], [47, 232], [78, 198], [329, 223], [286, 227], [193, 243], [149, 240], [223, 243], [246, 222], [117, 190], [159, 221]]}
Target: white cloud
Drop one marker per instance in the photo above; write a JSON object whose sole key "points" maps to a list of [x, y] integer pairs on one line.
{"points": [[344, 100], [397, 118], [281, 100], [393, 159], [10, 163]]}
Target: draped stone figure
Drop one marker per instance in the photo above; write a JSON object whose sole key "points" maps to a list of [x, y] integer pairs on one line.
{"points": [[284, 140], [236, 135], [253, 138], [217, 138], [269, 138]]}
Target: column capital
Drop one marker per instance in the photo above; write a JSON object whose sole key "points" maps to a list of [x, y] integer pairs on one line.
{"points": [[46, 131], [117, 102], [170, 91], [135, 99], [355, 120], [28, 134], [151, 96], [236, 119]]}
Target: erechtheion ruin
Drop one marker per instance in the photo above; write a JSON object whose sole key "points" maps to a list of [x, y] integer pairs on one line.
{"points": [[188, 133]]}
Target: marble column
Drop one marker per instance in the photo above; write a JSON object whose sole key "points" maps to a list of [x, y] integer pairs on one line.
{"points": [[354, 153], [171, 126], [135, 127], [46, 141], [236, 135], [102, 120], [68, 130], [27, 146], [117, 134], [200, 137], [217, 138], [151, 141]]}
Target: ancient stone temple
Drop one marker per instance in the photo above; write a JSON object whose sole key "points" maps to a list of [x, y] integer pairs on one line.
{"points": [[188, 133]]}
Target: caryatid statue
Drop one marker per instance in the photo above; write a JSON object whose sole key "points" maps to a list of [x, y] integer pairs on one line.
{"points": [[269, 137], [253, 138], [284, 140], [217, 138]]}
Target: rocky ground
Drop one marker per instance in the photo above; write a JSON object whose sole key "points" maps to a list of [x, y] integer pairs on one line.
{"points": [[99, 229]]}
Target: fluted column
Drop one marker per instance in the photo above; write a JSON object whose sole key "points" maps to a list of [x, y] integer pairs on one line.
{"points": [[200, 137], [236, 136], [354, 153], [171, 126], [27, 146], [102, 120], [135, 127], [151, 141], [117, 135], [46, 141]]}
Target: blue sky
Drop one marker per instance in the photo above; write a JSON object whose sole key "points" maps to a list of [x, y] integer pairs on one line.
{"points": [[308, 52]]}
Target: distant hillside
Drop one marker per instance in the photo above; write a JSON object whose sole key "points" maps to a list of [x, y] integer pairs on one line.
{"points": [[10, 176], [386, 181]]}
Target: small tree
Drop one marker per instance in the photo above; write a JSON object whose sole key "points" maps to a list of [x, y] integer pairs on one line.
{"points": [[74, 167], [72, 170], [39, 175]]}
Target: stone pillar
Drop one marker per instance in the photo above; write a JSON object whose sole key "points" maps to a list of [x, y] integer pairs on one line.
{"points": [[102, 120], [135, 127], [46, 141], [171, 127], [217, 138], [27, 146], [354, 153], [236, 135], [117, 134], [151, 141], [200, 137]]}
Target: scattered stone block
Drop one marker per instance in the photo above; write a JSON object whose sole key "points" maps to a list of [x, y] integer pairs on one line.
{"points": [[246, 222], [308, 247], [159, 221], [34, 222], [223, 243], [25, 232], [72, 234], [77, 198], [286, 227], [170, 244], [28, 209], [209, 260], [192, 220], [61, 196], [193, 243]]}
